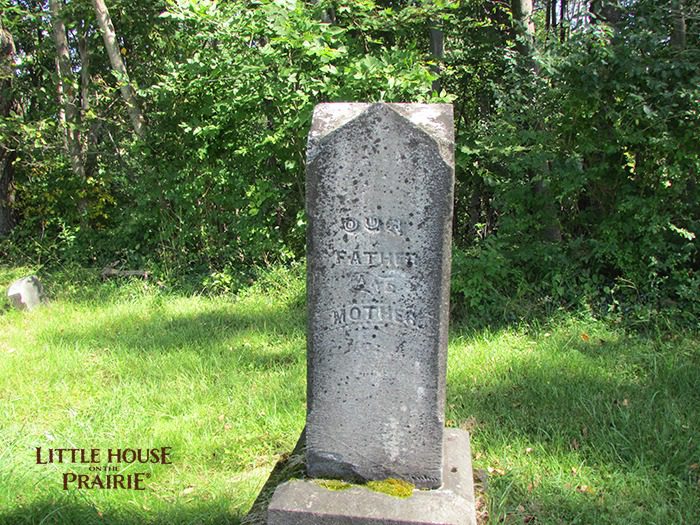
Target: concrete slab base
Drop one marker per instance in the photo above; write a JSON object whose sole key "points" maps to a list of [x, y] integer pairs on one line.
{"points": [[304, 502]]}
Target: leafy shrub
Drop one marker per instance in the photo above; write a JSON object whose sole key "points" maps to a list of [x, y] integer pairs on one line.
{"points": [[226, 171]]}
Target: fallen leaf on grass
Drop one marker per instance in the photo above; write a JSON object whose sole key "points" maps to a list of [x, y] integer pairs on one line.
{"points": [[585, 489], [496, 471], [694, 466], [533, 485], [585, 337], [188, 490], [227, 427], [482, 512], [469, 424], [221, 417], [574, 471]]}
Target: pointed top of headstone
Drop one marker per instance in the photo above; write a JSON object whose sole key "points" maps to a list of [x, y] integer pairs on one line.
{"points": [[436, 120]]}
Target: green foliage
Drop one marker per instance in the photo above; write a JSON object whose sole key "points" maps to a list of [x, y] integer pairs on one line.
{"points": [[232, 110], [601, 145], [576, 166]]}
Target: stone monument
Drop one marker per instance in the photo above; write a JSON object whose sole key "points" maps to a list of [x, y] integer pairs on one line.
{"points": [[380, 181]]}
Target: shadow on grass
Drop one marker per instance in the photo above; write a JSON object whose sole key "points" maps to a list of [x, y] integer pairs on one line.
{"points": [[626, 408], [74, 512], [81, 285]]}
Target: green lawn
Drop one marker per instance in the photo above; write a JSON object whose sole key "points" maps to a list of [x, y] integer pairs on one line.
{"points": [[573, 420]]}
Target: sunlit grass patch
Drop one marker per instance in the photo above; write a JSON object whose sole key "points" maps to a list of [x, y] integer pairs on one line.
{"points": [[580, 422], [220, 380]]}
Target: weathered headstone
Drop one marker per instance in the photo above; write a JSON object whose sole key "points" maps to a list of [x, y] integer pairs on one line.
{"points": [[380, 183], [26, 293], [379, 202]]}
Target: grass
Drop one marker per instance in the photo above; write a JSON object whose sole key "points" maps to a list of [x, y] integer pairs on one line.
{"points": [[573, 421], [581, 422]]}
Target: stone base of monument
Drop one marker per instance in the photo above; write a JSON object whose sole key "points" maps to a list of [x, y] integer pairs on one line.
{"points": [[305, 502]]}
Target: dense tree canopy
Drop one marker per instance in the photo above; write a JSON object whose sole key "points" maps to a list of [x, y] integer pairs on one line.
{"points": [[172, 133]]}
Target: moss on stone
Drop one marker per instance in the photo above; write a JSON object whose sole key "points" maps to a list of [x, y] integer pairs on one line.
{"points": [[333, 484], [397, 488], [393, 487]]}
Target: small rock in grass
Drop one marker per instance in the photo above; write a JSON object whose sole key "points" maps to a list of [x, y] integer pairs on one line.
{"points": [[26, 293]]}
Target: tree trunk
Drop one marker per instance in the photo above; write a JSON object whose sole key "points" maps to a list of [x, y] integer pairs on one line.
{"points": [[115, 58], [562, 19], [525, 30], [437, 49], [61, 104], [67, 88], [7, 158], [84, 72], [7, 154], [89, 139], [678, 34], [606, 10], [525, 26]]}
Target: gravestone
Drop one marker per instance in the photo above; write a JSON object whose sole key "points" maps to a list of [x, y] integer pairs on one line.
{"points": [[380, 181], [26, 293], [380, 216]]}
